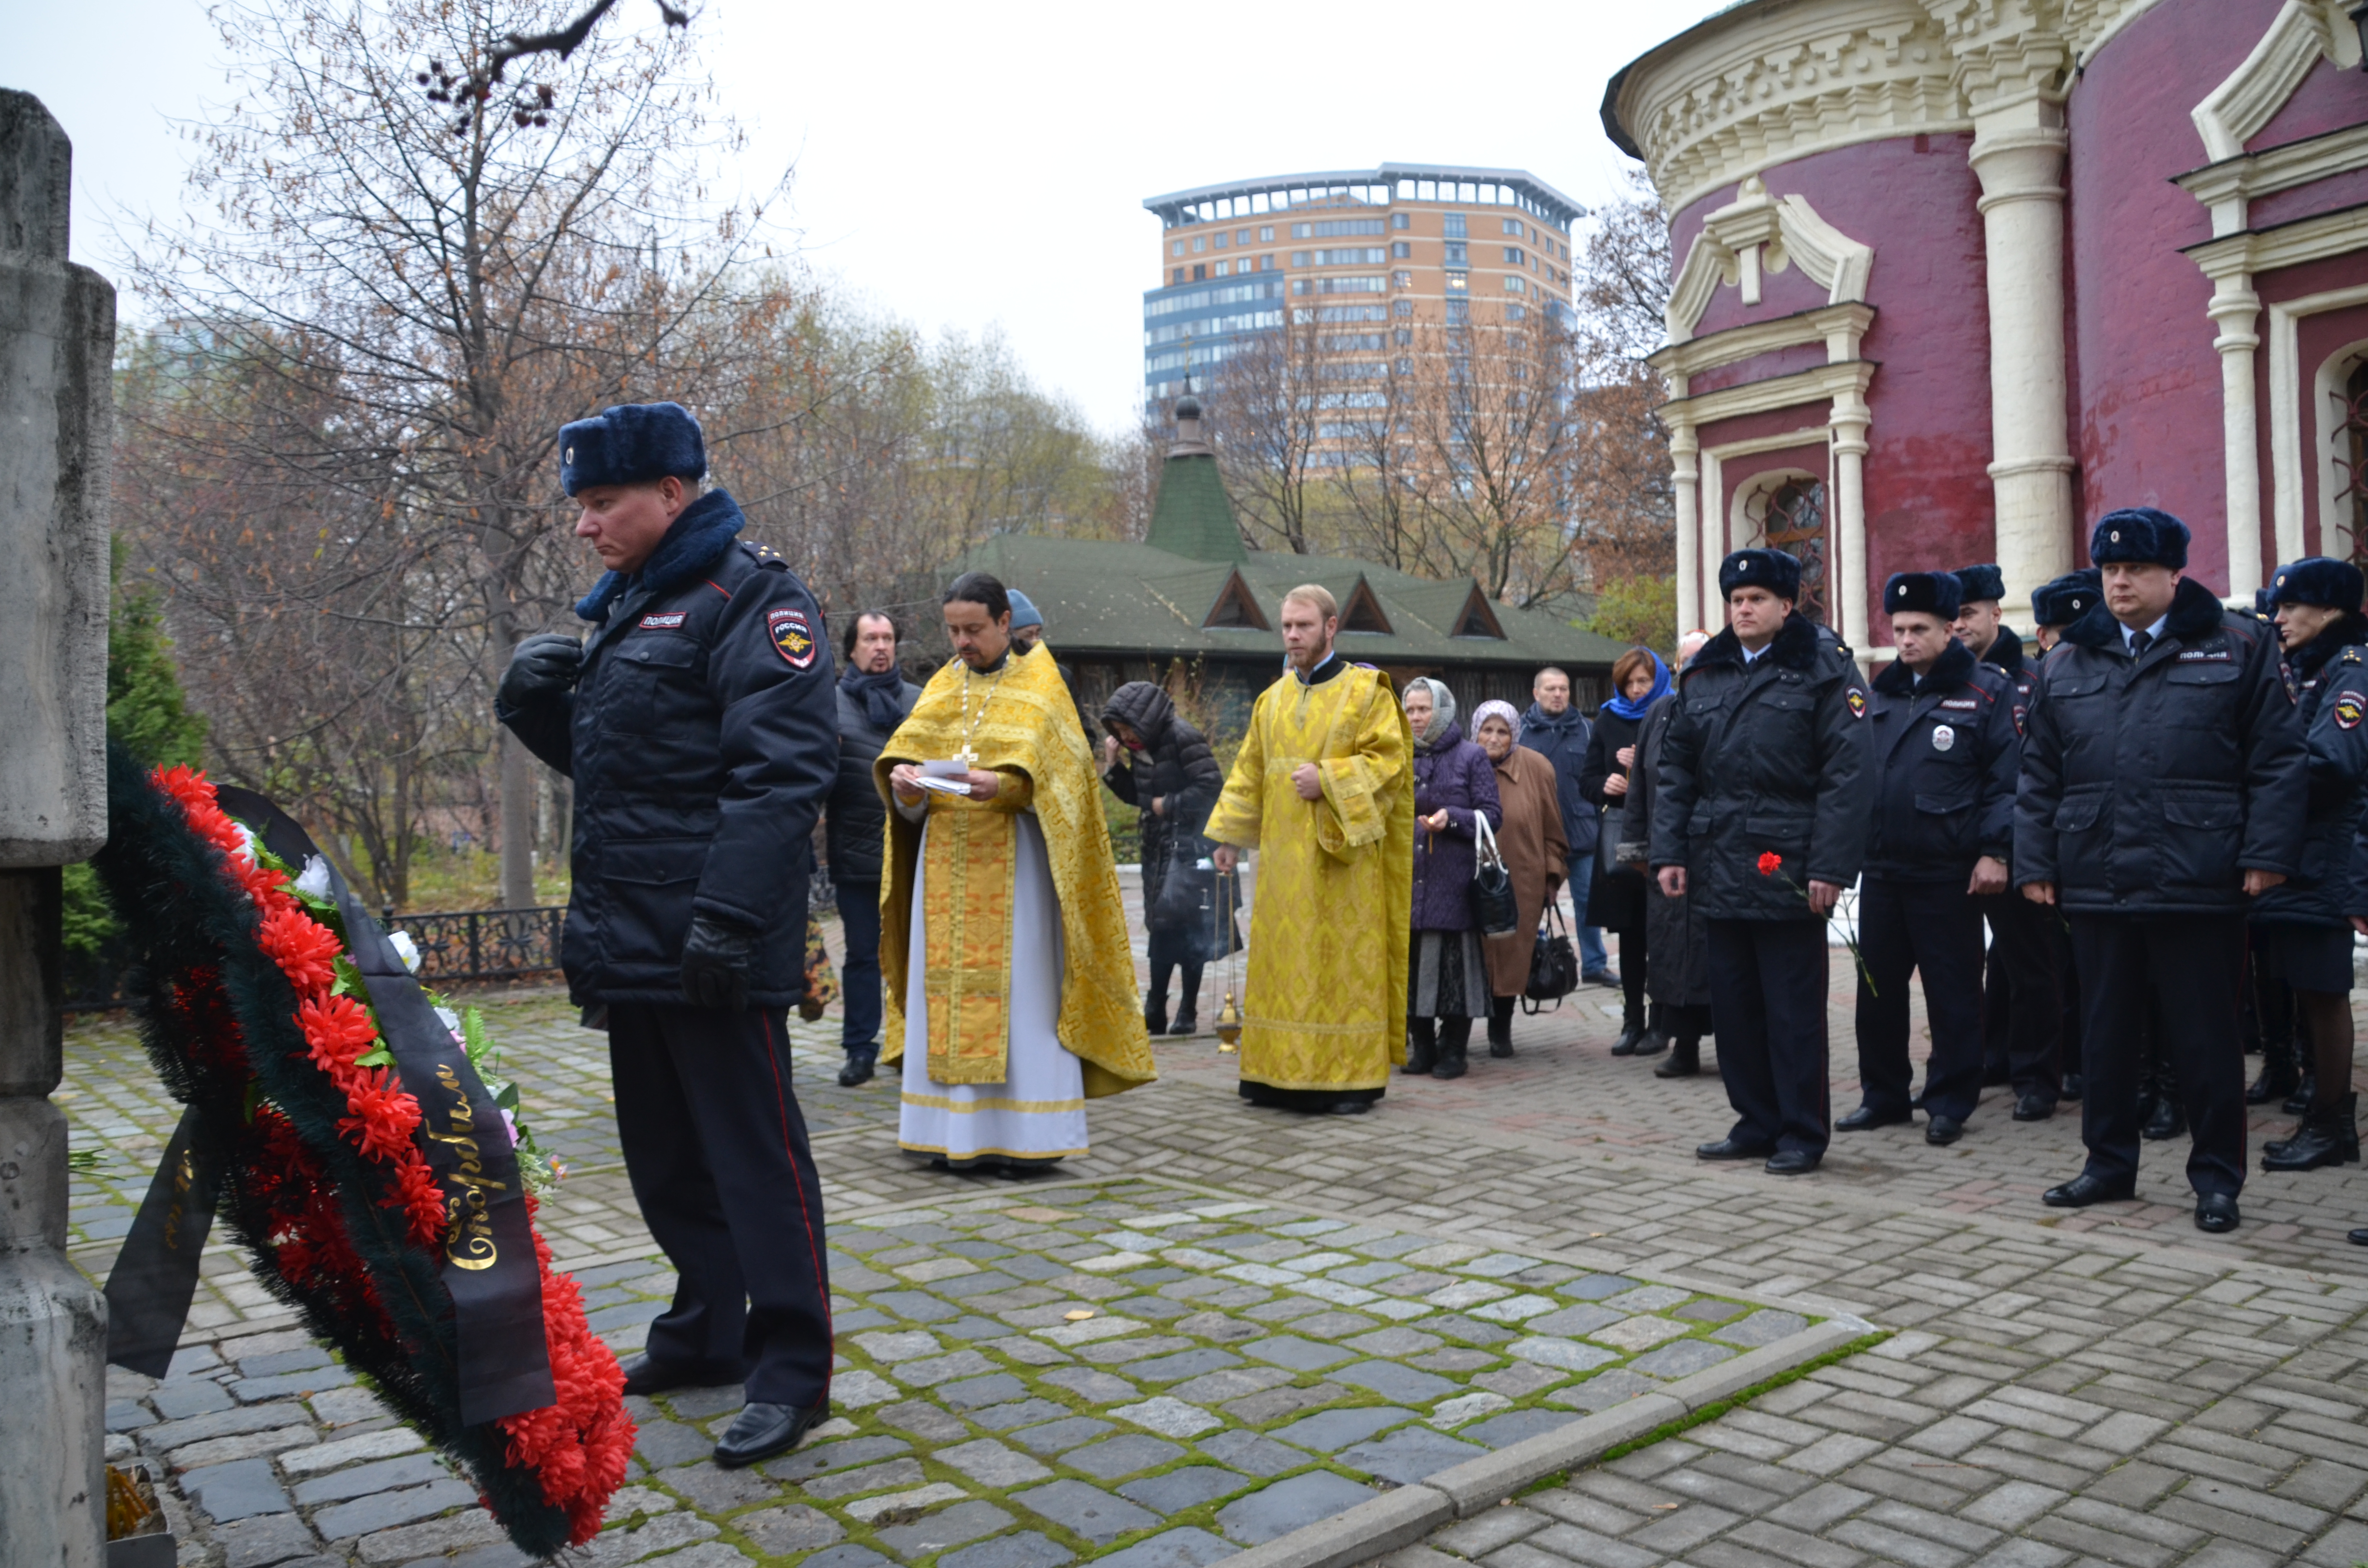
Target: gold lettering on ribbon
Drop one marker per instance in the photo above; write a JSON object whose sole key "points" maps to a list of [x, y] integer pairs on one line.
{"points": [[469, 1228], [183, 1177]]}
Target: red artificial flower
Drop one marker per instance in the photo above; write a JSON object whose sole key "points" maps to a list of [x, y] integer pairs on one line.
{"points": [[305, 950], [415, 1192], [384, 1116], [338, 1029], [1768, 861]]}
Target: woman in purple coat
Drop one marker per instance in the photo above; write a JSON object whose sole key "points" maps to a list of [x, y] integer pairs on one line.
{"points": [[1446, 968]]}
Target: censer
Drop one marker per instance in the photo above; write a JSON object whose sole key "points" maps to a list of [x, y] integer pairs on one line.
{"points": [[1229, 1017]]}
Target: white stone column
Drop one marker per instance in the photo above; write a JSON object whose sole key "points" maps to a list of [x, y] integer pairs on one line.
{"points": [[1849, 423], [1686, 475], [2236, 308], [2031, 466]]}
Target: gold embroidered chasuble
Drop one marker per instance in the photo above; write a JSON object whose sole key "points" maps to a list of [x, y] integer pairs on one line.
{"points": [[1325, 1007], [1024, 729]]}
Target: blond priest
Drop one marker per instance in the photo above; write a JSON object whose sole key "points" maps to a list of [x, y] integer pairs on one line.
{"points": [[1323, 788], [1003, 941]]}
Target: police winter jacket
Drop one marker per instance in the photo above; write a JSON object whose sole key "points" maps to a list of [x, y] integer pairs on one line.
{"points": [[1946, 756], [701, 738], [1175, 763], [2006, 656], [1453, 775], [857, 826], [2329, 676], [2150, 786], [1562, 738], [1769, 757]]}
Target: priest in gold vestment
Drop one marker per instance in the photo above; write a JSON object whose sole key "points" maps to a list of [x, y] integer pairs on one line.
{"points": [[1004, 954], [1323, 788]]}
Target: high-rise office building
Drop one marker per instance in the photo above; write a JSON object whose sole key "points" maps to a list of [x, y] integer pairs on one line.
{"points": [[1370, 253]]}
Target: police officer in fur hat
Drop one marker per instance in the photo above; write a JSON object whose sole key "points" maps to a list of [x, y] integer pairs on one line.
{"points": [[2023, 999], [1945, 753], [699, 723], [2054, 606], [1761, 813], [2162, 793], [2302, 929]]}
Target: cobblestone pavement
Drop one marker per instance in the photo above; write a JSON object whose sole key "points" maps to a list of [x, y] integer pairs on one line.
{"points": [[2106, 1387]]}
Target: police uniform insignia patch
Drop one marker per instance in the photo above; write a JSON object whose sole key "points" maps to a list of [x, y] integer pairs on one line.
{"points": [[791, 634], [666, 621], [2349, 707], [1962, 704], [1857, 700], [1943, 737]]}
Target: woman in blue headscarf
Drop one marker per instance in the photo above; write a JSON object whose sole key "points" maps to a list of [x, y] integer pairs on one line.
{"points": [[1615, 899]]}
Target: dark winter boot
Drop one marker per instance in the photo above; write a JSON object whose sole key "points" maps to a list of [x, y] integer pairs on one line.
{"points": [[860, 1062], [2328, 1136], [1655, 1037], [1454, 1035], [1630, 1033], [2279, 1076], [1500, 1026], [2305, 1091], [1422, 1047], [1154, 1015], [1685, 1058]]}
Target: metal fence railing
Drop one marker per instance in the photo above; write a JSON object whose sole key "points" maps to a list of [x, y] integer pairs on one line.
{"points": [[483, 944]]}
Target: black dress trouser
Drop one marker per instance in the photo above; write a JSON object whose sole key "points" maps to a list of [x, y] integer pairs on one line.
{"points": [[2192, 966], [1934, 929], [2022, 1007], [1768, 1004], [716, 1150]]}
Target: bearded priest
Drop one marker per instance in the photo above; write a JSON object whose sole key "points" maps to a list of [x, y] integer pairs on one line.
{"points": [[1323, 787], [1003, 939]]}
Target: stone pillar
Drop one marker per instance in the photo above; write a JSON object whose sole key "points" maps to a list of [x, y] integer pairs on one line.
{"points": [[1686, 475], [2236, 310], [2031, 468], [57, 343], [1849, 421]]}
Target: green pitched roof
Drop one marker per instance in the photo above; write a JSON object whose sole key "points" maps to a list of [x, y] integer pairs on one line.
{"points": [[1139, 601], [1191, 518]]}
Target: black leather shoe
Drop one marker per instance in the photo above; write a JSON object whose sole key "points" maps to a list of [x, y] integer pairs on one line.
{"points": [[1944, 1131], [760, 1431], [2215, 1212], [2073, 1087], [2168, 1119], [645, 1376], [1792, 1162], [1600, 977], [1685, 1059], [1730, 1149], [1866, 1119], [2034, 1108], [2084, 1190], [1626, 1044], [1654, 1042], [2358, 1238], [1185, 1025], [1348, 1107], [860, 1060]]}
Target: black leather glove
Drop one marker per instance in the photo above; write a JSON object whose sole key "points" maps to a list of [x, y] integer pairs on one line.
{"points": [[542, 666], [715, 959]]}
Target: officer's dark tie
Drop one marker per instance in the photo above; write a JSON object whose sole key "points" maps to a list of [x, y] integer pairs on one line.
{"points": [[2139, 642]]}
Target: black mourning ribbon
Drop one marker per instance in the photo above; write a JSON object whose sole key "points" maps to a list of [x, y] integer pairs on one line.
{"points": [[149, 1289], [489, 1264]]}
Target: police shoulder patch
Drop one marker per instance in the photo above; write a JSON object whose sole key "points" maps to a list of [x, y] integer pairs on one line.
{"points": [[1857, 700], [666, 621], [2349, 707], [792, 636]]}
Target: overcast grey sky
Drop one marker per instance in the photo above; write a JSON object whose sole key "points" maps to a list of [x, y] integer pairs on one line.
{"points": [[976, 165]]}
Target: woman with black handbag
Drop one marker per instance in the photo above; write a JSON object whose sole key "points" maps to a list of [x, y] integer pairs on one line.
{"points": [[1446, 970], [1173, 780], [1534, 853], [1615, 900]]}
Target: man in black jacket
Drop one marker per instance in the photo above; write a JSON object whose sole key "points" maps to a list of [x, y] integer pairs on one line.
{"points": [[1761, 814], [2162, 792], [874, 698], [2053, 607], [2022, 1003], [696, 725], [1945, 751]]}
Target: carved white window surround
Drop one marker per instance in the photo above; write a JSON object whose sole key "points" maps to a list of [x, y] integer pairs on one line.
{"points": [[2293, 433], [2232, 263], [2332, 446], [1840, 328], [2304, 33], [2229, 188], [1721, 524], [1729, 251]]}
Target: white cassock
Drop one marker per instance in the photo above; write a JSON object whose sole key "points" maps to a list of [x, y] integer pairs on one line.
{"points": [[1039, 1111]]}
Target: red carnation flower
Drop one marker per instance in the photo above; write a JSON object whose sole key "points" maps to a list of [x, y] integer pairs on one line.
{"points": [[305, 950], [1768, 861]]}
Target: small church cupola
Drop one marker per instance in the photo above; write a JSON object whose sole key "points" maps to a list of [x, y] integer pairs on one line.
{"points": [[1190, 516]]}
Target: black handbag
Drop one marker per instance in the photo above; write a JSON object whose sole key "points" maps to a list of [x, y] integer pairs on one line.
{"points": [[1553, 967], [1493, 906], [1183, 902]]}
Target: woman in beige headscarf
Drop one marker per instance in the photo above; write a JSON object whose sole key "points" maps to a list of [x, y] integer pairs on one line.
{"points": [[1536, 853]]}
